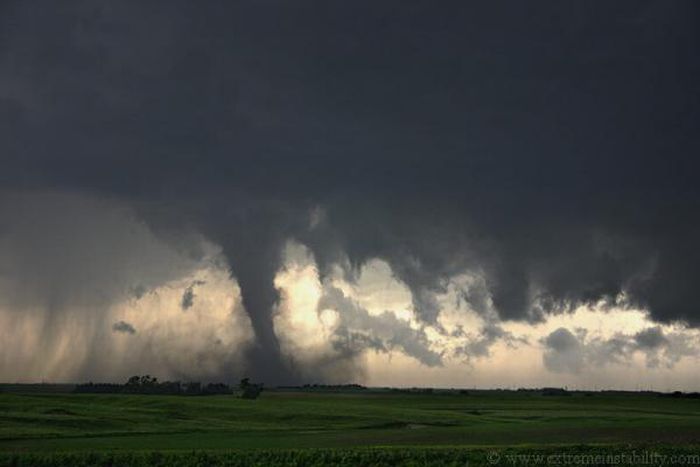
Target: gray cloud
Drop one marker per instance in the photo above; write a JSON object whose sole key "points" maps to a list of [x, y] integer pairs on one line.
{"points": [[563, 352], [64, 251], [123, 327], [359, 330], [187, 298], [566, 352], [65, 261], [188, 295], [651, 338], [615, 350], [479, 346]]}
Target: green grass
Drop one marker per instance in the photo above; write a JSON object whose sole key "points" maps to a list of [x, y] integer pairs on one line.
{"points": [[577, 455], [284, 422]]}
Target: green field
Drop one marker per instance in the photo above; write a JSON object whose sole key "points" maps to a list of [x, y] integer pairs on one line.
{"points": [[69, 428]]}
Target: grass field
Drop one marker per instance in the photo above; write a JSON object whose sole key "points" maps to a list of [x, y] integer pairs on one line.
{"points": [[70, 429]]}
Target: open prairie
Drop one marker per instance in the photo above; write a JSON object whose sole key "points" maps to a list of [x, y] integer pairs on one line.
{"points": [[406, 427]]}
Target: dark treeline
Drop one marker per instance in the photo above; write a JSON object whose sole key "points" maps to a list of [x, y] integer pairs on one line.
{"points": [[683, 395], [150, 385]]}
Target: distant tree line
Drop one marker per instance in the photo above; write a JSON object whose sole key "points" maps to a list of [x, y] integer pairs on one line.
{"points": [[148, 384], [683, 395]]}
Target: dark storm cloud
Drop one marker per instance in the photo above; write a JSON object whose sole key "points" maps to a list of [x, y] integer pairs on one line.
{"points": [[549, 147]]}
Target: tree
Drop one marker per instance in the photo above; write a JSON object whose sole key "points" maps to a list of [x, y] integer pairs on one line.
{"points": [[249, 390]]}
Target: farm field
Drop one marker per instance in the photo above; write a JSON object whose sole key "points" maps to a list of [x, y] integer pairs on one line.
{"points": [[286, 428]]}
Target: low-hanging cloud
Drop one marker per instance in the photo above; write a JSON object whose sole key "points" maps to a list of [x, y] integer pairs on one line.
{"points": [[358, 329], [563, 352], [479, 346], [566, 352], [326, 332]]}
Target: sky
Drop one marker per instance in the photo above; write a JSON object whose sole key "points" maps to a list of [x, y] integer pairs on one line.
{"points": [[395, 193]]}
